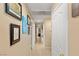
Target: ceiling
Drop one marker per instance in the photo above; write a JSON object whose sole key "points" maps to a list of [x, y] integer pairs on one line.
{"points": [[40, 10]]}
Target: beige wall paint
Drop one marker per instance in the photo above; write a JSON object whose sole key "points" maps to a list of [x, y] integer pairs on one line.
{"points": [[73, 33], [21, 48], [47, 32]]}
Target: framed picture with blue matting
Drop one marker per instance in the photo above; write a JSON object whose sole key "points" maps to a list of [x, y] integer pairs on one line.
{"points": [[24, 24]]}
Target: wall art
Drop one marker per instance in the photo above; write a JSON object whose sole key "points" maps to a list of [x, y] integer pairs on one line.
{"points": [[75, 9], [14, 33], [14, 9], [24, 24]]}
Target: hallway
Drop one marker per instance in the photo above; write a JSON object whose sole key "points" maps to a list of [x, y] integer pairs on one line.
{"points": [[23, 30], [39, 29], [39, 50], [42, 16]]}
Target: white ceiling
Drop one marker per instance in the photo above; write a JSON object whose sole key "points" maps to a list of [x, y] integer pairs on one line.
{"points": [[40, 10], [39, 6]]}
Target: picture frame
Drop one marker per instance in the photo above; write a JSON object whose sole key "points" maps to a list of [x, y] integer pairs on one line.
{"points": [[29, 23], [24, 24], [28, 29], [75, 9], [14, 9], [29, 20], [14, 34]]}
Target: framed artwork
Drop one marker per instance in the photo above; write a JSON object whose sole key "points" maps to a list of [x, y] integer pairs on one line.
{"points": [[14, 34], [29, 23], [28, 29], [14, 9], [29, 20], [24, 24], [75, 9]]}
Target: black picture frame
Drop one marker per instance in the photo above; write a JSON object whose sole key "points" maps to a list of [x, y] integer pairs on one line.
{"points": [[75, 9], [12, 34], [11, 12], [28, 20], [29, 23]]}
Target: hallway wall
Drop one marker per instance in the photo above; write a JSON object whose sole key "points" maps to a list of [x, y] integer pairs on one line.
{"points": [[21, 48], [47, 28], [33, 34], [60, 30], [73, 33]]}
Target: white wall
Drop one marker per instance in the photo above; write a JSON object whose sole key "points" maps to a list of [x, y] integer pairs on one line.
{"points": [[60, 30]]}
